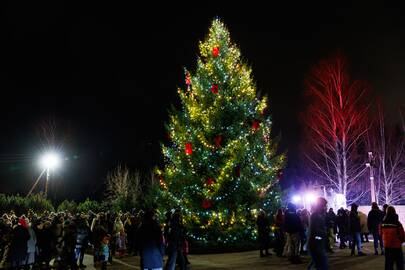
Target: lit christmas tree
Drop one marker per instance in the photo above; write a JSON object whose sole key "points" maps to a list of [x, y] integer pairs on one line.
{"points": [[221, 166]]}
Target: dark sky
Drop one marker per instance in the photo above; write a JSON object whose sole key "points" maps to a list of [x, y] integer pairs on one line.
{"points": [[105, 75]]}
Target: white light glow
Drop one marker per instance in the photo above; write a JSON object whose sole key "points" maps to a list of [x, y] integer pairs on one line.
{"points": [[310, 197], [296, 198], [50, 161]]}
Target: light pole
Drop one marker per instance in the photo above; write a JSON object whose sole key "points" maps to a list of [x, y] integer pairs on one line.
{"points": [[369, 165]]}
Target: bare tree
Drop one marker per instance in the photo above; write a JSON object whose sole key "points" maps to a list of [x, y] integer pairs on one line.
{"points": [[389, 145], [122, 183], [336, 124]]}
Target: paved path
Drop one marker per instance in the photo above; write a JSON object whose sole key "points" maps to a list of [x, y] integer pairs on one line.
{"points": [[340, 260]]}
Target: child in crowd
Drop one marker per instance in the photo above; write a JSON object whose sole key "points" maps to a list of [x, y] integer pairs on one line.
{"points": [[104, 251]]}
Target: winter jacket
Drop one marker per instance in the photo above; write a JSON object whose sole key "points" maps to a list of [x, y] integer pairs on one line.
{"points": [[83, 234], [374, 219], [354, 222], [32, 242], [263, 226], [342, 221], [292, 223], [31, 246], [331, 221], [317, 231], [393, 234], [363, 223], [18, 247], [150, 243], [175, 236]]}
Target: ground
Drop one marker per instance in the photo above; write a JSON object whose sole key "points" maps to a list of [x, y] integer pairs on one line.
{"points": [[340, 260]]}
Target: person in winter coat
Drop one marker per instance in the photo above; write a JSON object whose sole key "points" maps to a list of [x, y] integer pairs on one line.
{"points": [[293, 228], [69, 246], [57, 236], [150, 242], [393, 236], [175, 243], [18, 247], [98, 232], [104, 252], [355, 230], [330, 225], [131, 225], [120, 237], [279, 232], [374, 219], [317, 236], [44, 242], [110, 221], [363, 227], [342, 222], [31, 247], [82, 239], [263, 229]]}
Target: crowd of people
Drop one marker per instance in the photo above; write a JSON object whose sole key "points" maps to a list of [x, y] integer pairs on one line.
{"points": [[299, 231], [60, 240]]}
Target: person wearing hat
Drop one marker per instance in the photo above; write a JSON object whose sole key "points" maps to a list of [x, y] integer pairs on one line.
{"points": [[317, 235]]}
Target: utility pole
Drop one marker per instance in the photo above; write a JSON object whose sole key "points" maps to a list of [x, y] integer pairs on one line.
{"points": [[47, 182], [370, 165]]}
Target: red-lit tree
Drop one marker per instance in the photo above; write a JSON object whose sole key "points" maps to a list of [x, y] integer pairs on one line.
{"points": [[336, 125]]}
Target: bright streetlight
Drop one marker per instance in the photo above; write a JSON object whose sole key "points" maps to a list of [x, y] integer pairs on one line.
{"points": [[48, 162]]}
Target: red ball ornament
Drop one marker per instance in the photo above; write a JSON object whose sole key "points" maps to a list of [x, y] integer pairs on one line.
{"points": [[255, 125], [214, 88], [206, 204], [210, 181], [218, 140], [188, 148], [215, 51], [188, 79]]}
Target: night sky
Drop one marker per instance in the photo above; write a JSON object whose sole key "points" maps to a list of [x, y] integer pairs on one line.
{"points": [[104, 75]]}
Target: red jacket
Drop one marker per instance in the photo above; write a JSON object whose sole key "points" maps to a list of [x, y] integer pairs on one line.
{"points": [[393, 235]]}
